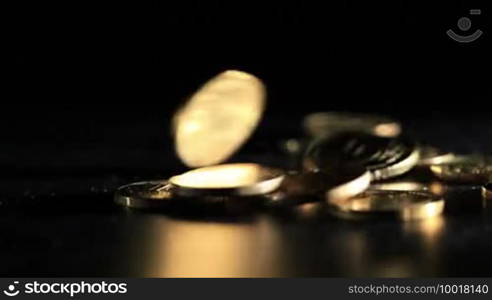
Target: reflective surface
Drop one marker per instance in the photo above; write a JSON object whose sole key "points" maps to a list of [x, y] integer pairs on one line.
{"points": [[77, 230], [307, 242]]}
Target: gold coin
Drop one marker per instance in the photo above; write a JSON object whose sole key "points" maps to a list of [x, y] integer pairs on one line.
{"points": [[465, 170], [487, 191], [218, 118], [241, 179], [326, 123], [305, 187], [145, 194], [384, 157], [431, 156], [400, 186], [406, 205], [434, 187]]}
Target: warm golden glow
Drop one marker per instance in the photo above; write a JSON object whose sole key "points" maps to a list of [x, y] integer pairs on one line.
{"points": [[487, 194], [222, 176], [350, 189], [326, 123], [400, 186], [179, 248], [247, 178], [218, 118], [387, 130], [437, 188], [398, 168], [464, 170], [421, 211], [407, 205]]}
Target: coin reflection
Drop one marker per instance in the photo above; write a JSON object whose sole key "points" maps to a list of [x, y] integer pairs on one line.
{"points": [[360, 252], [359, 256]]}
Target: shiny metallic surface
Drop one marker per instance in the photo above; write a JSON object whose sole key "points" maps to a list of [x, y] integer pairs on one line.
{"points": [[145, 194], [487, 191], [384, 157], [218, 118], [431, 156], [241, 179], [306, 187], [326, 123], [464, 170], [405, 205]]}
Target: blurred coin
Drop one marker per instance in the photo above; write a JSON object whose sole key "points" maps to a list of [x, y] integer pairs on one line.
{"points": [[464, 169], [487, 191], [433, 187], [326, 123], [145, 194], [291, 146], [218, 118], [384, 157], [400, 186], [241, 179], [406, 205], [309, 186], [431, 156]]}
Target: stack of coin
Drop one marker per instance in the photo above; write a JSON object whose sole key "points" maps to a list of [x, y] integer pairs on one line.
{"points": [[351, 162], [210, 127], [384, 157]]}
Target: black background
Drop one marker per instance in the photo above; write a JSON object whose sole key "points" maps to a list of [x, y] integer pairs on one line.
{"points": [[74, 68], [74, 72], [356, 55], [89, 89]]}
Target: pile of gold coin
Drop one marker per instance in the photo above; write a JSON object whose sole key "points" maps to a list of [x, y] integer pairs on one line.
{"points": [[352, 163]]}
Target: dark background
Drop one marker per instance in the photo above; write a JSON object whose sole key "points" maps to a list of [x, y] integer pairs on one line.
{"points": [[72, 70], [89, 89], [357, 55]]}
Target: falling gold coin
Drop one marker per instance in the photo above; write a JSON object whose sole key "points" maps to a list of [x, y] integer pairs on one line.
{"points": [[145, 194], [406, 205], [242, 179], [464, 169], [218, 118], [326, 123]]}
